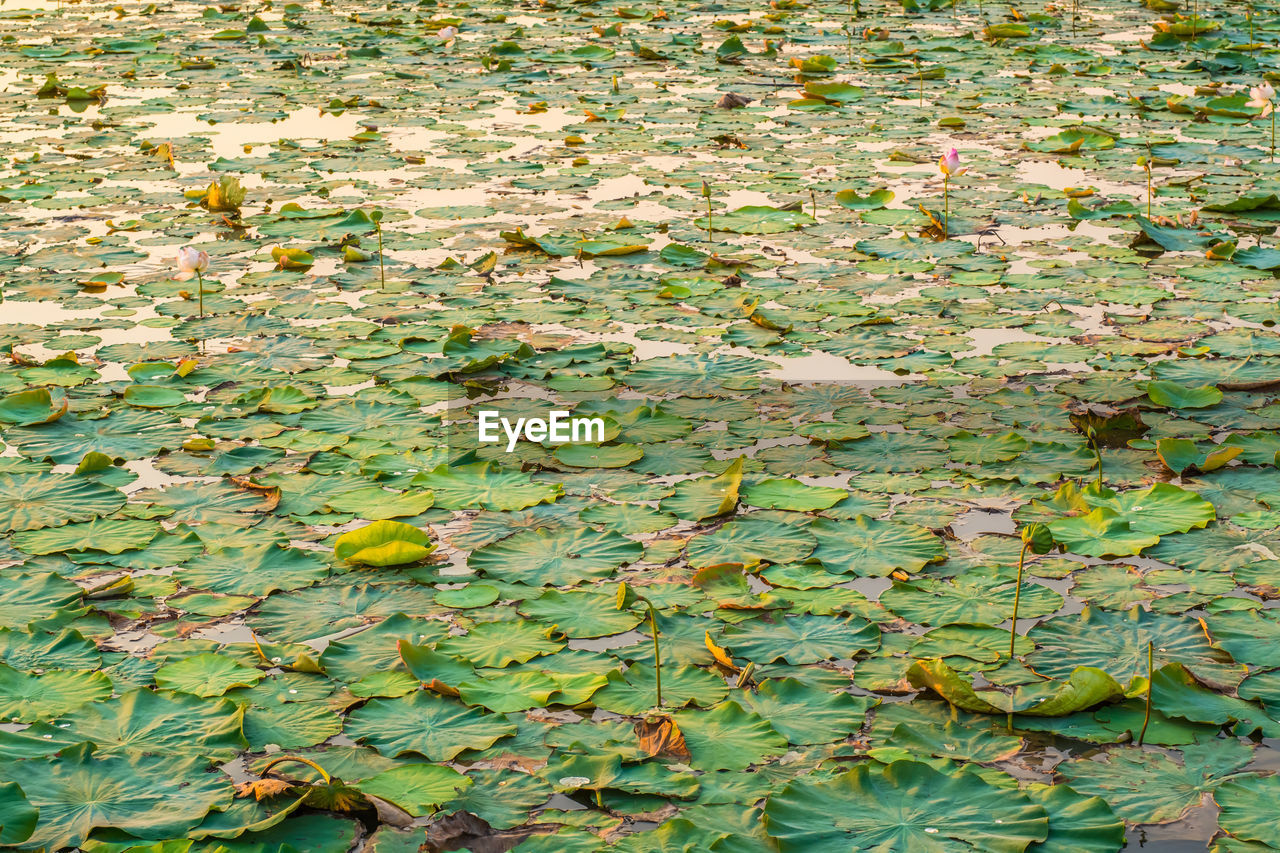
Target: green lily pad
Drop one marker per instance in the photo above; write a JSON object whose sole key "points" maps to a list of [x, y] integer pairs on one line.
{"points": [[384, 543], [905, 805]]}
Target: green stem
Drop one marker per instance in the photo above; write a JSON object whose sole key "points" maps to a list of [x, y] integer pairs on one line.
{"points": [[298, 759], [657, 655], [1148, 191], [1097, 453], [1273, 131], [946, 206], [382, 270], [1017, 597], [708, 219], [1146, 718], [814, 200], [848, 29], [200, 288]]}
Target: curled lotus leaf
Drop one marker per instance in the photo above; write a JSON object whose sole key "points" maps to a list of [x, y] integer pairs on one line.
{"points": [[384, 543], [1083, 688]]}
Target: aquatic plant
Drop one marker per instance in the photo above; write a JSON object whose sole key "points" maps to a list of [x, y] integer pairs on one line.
{"points": [[628, 598], [1038, 539], [1263, 96], [193, 262], [376, 218], [949, 166]]}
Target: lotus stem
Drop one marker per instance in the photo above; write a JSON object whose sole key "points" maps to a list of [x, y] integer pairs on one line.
{"points": [[657, 654], [1017, 598], [1148, 191], [1273, 132], [814, 200], [946, 207], [200, 291], [298, 759], [1146, 718], [382, 270], [1097, 453], [848, 29]]}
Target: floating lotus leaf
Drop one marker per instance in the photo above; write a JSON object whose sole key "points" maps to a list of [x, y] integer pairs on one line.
{"points": [[484, 484], [498, 644], [1246, 804], [384, 543], [1116, 643], [1180, 397], [872, 548], [580, 614], [125, 434], [30, 501], [728, 737], [792, 495], [804, 714], [111, 536], [751, 540], [973, 598], [1101, 533], [206, 675], [28, 698], [18, 818], [1176, 693], [1182, 456], [1151, 787], [416, 788], [905, 805], [801, 639], [252, 570], [760, 219], [1159, 510], [1076, 822], [560, 558], [149, 797], [28, 599], [422, 724], [36, 406], [1083, 688], [140, 721], [707, 497]]}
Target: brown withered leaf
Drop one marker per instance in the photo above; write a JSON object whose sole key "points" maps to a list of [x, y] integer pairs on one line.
{"points": [[722, 657], [733, 101], [1106, 426], [661, 736], [264, 789]]}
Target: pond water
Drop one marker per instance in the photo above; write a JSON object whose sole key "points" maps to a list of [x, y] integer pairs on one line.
{"points": [[847, 391]]}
